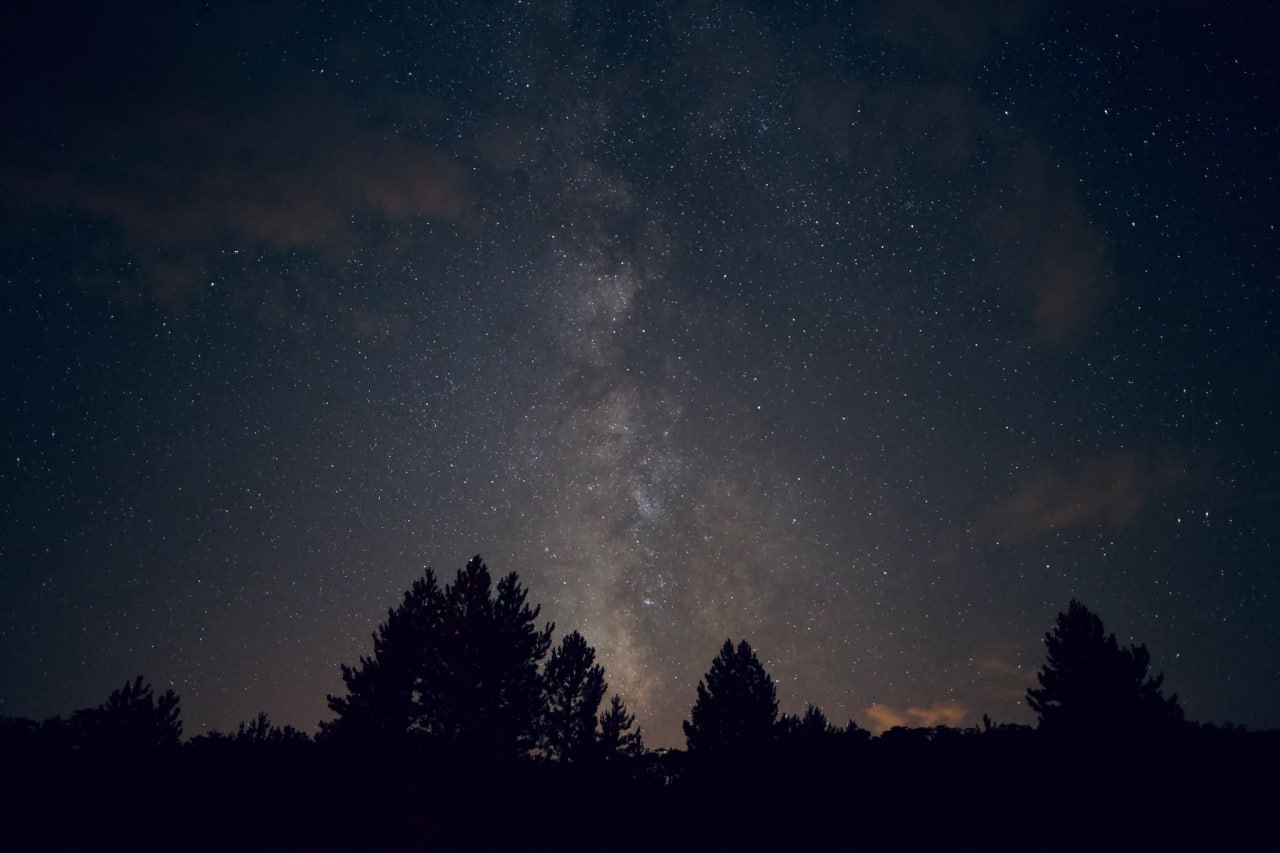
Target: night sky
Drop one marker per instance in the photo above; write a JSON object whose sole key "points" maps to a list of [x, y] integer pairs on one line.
{"points": [[872, 333]]}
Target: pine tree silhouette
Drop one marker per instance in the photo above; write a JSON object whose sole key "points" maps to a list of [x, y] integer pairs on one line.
{"points": [[736, 707], [616, 738], [574, 686], [1091, 688], [457, 666]]}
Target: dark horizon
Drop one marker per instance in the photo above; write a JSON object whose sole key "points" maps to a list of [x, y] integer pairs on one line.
{"points": [[872, 335]]}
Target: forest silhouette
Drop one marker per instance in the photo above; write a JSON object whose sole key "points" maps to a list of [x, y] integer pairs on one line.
{"points": [[468, 728]]}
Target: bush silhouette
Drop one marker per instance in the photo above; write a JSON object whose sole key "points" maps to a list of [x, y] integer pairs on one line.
{"points": [[132, 719]]}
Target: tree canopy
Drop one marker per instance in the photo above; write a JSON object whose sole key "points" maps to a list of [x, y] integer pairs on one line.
{"points": [[456, 665], [132, 719], [574, 686], [616, 737], [1091, 687], [736, 706]]}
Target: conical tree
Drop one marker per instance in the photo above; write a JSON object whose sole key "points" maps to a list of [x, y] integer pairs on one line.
{"points": [[736, 707], [457, 665], [616, 737], [384, 701], [1092, 688], [573, 686]]}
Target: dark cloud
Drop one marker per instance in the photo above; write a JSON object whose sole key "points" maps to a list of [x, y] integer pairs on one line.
{"points": [[953, 32], [1111, 490], [1002, 676], [931, 127], [1043, 247], [181, 188], [1043, 255]]}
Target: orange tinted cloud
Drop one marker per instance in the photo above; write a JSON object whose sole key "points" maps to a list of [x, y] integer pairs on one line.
{"points": [[885, 717]]}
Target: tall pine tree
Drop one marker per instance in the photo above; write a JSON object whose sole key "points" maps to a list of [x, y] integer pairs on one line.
{"points": [[574, 686], [456, 665], [736, 707], [616, 739]]}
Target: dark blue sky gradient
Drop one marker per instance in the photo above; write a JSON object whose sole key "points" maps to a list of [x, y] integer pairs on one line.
{"points": [[870, 334]]}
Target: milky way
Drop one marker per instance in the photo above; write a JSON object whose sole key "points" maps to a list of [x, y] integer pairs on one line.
{"points": [[872, 336]]}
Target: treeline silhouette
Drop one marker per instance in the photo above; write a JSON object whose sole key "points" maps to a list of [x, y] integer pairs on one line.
{"points": [[468, 729]]}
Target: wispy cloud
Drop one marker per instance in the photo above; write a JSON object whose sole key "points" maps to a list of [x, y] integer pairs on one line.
{"points": [[1110, 490], [1032, 234], [181, 186], [956, 32], [1043, 247]]}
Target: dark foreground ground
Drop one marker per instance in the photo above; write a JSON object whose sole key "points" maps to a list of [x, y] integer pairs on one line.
{"points": [[910, 789]]}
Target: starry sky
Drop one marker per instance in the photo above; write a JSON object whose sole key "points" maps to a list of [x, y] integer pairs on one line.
{"points": [[871, 333]]}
